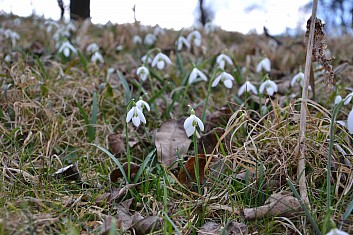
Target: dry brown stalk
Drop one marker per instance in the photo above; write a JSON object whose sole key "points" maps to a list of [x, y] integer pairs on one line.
{"points": [[303, 110]]}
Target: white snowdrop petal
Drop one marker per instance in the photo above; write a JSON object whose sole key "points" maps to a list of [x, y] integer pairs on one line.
{"points": [[216, 81], [338, 99], [136, 121], [190, 130], [228, 83], [141, 116], [242, 89], [350, 122], [200, 123], [188, 121]]}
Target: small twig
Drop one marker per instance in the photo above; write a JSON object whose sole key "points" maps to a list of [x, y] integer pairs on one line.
{"points": [[301, 163]]}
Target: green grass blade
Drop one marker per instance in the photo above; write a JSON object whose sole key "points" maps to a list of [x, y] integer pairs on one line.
{"points": [[91, 129], [42, 69], [348, 211], [307, 212], [115, 160], [125, 86], [143, 166], [83, 60]]}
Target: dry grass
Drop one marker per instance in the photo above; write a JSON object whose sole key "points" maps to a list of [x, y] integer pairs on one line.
{"points": [[43, 129]]}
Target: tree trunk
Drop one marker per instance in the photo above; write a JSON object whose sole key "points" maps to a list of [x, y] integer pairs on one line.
{"points": [[79, 9]]}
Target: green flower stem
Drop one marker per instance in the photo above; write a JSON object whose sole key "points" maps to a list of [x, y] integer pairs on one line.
{"points": [[128, 153], [197, 167]]}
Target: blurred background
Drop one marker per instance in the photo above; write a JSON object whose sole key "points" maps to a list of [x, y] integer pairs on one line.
{"points": [[278, 16]]}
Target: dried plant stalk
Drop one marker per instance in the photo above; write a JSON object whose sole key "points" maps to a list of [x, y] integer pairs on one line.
{"points": [[303, 108]]}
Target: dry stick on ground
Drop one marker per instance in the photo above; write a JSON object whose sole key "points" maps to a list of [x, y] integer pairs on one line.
{"points": [[303, 108]]}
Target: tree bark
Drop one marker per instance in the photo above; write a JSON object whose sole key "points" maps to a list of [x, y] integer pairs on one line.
{"points": [[79, 9]]}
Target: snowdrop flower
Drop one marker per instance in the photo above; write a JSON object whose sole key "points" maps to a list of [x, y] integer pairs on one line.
{"points": [[97, 56], [191, 123], [50, 24], [182, 41], [226, 78], [195, 74], [150, 39], [338, 99], [158, 30], [209, 27], [348, 98], [92, 48], [160, 60], [145, 60], [12, 35], [66, 48], [264, 64], [7, 58], [142, 72], [141, 104], [247, 86], [135, 114], [270, 86], [350, 122], [299, 77], [137, 39], [195, 38], [222, 59], [70, 26], [119, 47], [336, 231]]}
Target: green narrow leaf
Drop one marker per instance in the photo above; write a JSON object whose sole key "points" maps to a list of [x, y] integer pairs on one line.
{"points": [[307, 212], [91, 129], [42, 69], [143, 166], [83, 113], [83, 60], [125, 86], [348, 211], [115, 160]]}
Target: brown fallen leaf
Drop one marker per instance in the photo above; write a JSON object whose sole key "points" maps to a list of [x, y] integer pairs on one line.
{"points": [[234, 228], [116, 174], [116, 144], [171, 137], [68, 173], [187, 172], [283, 204], [147, 225]]}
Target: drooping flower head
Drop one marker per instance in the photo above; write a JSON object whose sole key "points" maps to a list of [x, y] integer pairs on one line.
{"points": [[299, 77], [66, 48], [150, 39], [92, 48], [264, 64], [191, 123], [160, 60], [97, 57], [137, 39], [348, 98], [226, 78], [142, 72], [135, 114], [182, 41], [248, 87], [195, 74], [336, 231], [195, 38], [269, 86], [222, 59]]}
